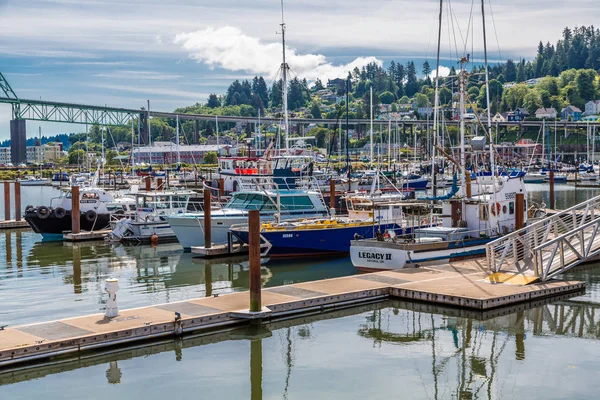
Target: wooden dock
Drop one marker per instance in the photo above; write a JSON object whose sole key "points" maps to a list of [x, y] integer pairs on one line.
{"points": [[462, 285], [12, 224], [86, 236]]}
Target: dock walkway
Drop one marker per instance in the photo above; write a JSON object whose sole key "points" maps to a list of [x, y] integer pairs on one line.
{"points": [[461, 284]]}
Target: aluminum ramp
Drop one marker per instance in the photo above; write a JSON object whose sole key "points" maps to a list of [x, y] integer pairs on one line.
{"points": [[548, 247]]}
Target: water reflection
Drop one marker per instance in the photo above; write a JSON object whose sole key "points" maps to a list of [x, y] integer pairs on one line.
{"points": [[467, 351]]}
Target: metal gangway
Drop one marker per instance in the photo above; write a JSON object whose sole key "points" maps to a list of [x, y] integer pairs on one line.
{"points": [[551, 246]]}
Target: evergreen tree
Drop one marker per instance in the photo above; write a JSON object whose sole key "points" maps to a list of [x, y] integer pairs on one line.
{"points": [[276, 94], [318, 85], [213, 101], [412, 85]]}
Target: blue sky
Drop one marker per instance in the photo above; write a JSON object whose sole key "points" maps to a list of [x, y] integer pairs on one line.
{"points": [[176, 52]]}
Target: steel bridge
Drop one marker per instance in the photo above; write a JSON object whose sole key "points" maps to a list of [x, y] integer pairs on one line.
{"points": [[551, 246]]}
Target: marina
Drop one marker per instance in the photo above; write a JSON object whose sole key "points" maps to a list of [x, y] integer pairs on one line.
{"points": [[267, 218]]}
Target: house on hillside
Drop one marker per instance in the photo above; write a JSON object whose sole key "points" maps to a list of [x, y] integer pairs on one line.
{"points": [[520, 114], [545, 113], [425, 112], [592, 107], [571, 113], [500, 117]]}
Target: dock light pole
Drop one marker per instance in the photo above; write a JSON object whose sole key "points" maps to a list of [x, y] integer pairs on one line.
{"points": [[254, 253]]}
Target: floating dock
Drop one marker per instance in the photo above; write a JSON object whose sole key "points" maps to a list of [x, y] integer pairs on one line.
{"points": [[13, 224], [86, 236], [464, 285]]}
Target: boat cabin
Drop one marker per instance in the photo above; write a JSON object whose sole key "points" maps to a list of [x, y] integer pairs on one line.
{"points": [[161, 203]]}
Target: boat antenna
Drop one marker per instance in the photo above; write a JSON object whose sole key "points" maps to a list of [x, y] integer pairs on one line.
{"points": [[284, 70]]}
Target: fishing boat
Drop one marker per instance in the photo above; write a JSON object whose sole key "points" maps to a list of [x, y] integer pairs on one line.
{"points": [[97, 207], [367, 218], [472, 216], [149, 218]]}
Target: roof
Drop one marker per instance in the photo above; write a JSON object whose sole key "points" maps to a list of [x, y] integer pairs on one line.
{"points": [[571, 108], [545, 110]]}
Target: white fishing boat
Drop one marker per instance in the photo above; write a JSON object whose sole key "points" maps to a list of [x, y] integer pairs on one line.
{"points": [[151, 208]]}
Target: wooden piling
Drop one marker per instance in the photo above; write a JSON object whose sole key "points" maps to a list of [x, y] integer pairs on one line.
{"points": [[75, 212], [221, 187], [254, 254], [551, 177], [520, 211], [332, 193], [6, 200], [468, 181], [159, 184], [17, 201], [148, 184], [207, 223]]}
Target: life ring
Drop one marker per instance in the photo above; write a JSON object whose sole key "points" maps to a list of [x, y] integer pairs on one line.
{"points": [[90, 215], [28, 208], [495, 210], [43, 212], [424, 221], [59, 212]]}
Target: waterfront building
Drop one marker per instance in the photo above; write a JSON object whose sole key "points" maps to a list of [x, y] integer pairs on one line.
{"points": [[35, 154], [166, 153]]}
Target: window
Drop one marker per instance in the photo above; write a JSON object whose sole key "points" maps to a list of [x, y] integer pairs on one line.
{"points": [[296, 203], [511, 207], [504, 209]]}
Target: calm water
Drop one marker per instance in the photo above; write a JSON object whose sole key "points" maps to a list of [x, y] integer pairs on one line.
{"points": [[392, 349]]}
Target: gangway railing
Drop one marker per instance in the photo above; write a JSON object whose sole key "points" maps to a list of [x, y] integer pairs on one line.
{"points": [[550, 246]]}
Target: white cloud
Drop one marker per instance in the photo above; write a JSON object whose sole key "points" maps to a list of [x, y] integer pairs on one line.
{"points": [[229, 48], [444, 71]]}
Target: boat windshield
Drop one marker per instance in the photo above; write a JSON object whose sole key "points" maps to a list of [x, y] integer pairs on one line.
{"points": [[244, 201]]}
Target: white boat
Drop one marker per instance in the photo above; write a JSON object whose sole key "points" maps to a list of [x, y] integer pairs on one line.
{"points": [[34, 181], [487, 216], [149, 219], [292, 203]]}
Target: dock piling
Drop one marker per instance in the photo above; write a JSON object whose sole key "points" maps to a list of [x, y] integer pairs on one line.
{"points": [[254, 254], [221, 187], [551, 178], [75, 213], [332, 196], [207, 223], [6, 200], [17, 201], [520, 211], [159, 184], [148, 184]]}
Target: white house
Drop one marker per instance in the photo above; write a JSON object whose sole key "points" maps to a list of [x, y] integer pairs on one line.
{"points": [[547, 113], [592, 107], [500, 117]]}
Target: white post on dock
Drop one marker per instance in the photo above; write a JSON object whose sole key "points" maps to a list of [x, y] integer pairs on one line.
{"points": [[112, 287]]}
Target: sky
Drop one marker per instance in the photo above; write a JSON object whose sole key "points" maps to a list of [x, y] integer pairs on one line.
{"points": [[176, 52]]}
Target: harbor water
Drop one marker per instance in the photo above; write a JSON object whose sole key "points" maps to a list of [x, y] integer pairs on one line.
{"points": [[390, 349]]}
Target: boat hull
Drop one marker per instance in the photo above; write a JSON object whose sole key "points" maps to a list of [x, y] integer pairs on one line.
{"points": [[380, 256], [52, 227], [315, 242]]}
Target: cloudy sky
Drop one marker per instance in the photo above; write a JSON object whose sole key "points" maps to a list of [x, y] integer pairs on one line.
{"points": [[176, 52]]}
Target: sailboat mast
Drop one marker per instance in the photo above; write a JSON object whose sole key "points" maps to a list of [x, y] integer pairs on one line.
{"points": [[284, 68], [177, 140], [371, 108], [461, 83], [487, 94], [132, 146], [347, 126], [436, 106], [149, 134]]}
